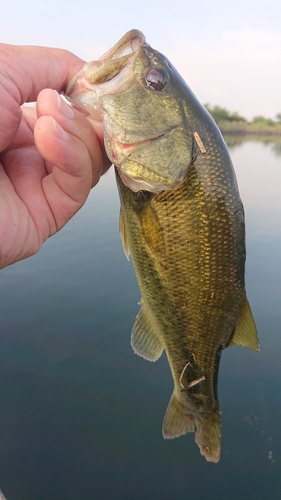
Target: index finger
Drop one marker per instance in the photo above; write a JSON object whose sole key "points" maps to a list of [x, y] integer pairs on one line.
{"points": [[24, 72], [30, 69]]}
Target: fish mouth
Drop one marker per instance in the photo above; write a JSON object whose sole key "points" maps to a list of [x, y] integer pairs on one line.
{"points": [[128, 44], [146, 180], [108, 74], [113, 73]]}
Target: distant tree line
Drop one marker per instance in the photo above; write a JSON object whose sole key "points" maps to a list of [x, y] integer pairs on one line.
{"points": [[223, 115]]}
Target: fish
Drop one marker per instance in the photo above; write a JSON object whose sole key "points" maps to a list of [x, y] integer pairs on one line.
{"points": [[181, 221]]}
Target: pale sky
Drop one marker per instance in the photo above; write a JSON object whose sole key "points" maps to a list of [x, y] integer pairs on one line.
{"points": [[228, 53]]}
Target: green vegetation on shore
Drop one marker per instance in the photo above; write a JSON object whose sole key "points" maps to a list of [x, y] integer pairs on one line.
{"points": [[234, 123]]}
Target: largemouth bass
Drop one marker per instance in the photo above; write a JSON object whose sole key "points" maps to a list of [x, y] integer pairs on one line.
{"points": [[182, 222]]}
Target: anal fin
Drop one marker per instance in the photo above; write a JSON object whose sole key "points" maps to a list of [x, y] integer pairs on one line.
{"points": [[245, 334], [144, 338]]}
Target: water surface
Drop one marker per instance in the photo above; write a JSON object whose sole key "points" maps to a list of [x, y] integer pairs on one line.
{"points": [[81, 414]]}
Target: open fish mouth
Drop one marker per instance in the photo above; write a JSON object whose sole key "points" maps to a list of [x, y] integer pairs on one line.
{"points": [[102, 82], [129, 43], [111, 73], [108, 74]]}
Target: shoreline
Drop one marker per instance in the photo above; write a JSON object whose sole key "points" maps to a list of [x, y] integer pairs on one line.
{"points": [[226, 131], [242, 128]]}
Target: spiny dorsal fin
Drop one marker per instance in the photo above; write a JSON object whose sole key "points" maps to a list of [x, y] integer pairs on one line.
{"points": [[124, 235], [245, 334], [144, 338]]}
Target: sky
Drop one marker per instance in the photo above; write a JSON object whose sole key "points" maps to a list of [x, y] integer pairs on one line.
{"points": [[229, 53]]}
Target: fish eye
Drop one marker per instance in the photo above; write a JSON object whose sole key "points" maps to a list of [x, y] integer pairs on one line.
{"points": [[156, 79]]}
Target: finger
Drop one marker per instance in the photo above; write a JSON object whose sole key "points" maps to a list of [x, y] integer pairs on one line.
{"points": [[32, 69], [75, 123], [66, 139], [24, 71]]}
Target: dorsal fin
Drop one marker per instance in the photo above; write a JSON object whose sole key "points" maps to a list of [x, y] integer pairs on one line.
{"points": [[144, 338], [245, 334]]}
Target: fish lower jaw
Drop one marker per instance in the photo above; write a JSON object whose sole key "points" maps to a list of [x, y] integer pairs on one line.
{"points": [[86, 103], [140, 184]]}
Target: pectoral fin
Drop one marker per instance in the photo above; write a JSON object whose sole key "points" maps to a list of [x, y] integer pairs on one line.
{"points": [[144, 338], [124, 235], [245, 334], [152, 232]]}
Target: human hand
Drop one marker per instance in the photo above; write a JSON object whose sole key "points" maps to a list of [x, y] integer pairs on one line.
{"points": [[50, 156]]}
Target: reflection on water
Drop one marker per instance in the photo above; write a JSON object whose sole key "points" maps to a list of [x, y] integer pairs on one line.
{"points": [[233, 140], [81, 414]]}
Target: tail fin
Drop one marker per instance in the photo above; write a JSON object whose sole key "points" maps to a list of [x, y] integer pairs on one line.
{"points": [[208, 435], [206, 427]]}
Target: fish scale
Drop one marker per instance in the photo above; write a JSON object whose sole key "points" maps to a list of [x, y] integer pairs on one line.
{"points": [[182, 222], [189, 287]]}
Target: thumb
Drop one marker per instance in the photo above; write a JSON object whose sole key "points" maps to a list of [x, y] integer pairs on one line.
{"points": [[24, 72]]}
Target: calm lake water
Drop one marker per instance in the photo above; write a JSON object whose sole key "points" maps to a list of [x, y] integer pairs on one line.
{"points": [[81, 415]]}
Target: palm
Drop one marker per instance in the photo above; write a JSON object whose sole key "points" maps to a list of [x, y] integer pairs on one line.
{"points": [[25, 213], [50, 156]]}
